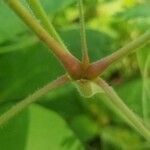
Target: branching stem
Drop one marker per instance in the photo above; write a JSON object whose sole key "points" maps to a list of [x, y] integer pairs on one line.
{"points": [[32, 98], [100, 66], [123, 110], [71, 63]]}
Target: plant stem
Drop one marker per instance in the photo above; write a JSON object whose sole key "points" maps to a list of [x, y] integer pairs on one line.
{"points": [[100, 66], [20, 106], [145, 93], [85, 57], [40, 14], [123, 110], [71, 64]]}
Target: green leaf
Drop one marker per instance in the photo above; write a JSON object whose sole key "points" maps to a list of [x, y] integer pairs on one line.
{"points": [[138, 11], [99, 43], [37, 128], [10, 25], [84, 127], [131, 93], [62, 98], [124, 139], [19, 43], [48, 131], [29, 69], [137, 16], [53, 6], [13, 135]]}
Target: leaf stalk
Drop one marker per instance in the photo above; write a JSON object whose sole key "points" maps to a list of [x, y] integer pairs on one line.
{"points": [[85, 57], [20, 106], [123, 110]]}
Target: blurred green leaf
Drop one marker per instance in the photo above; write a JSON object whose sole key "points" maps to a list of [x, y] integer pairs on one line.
{"points": [[138, 11], [131, 93], [53, 6], [28, 69], [48, 131], [13, 134], [84, 127], [11, 26], [35, 129], [63, 103], [99, 44], [121, 139], [137, 17], [19, 43]]}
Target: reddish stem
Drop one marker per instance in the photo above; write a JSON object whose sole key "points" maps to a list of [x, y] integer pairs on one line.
{"points": [[71, 63]]}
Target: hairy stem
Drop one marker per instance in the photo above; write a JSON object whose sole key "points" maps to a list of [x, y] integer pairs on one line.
{"points": [[71, 64], [40, 14], [32, 98], [100, 66], [123, 110], [85, 57]]}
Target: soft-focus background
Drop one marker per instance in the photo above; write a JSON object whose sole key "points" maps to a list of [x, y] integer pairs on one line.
{"points": [[63, 120]]}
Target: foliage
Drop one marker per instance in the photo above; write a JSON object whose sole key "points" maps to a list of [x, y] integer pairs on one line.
{"points": [[63, 120]]}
